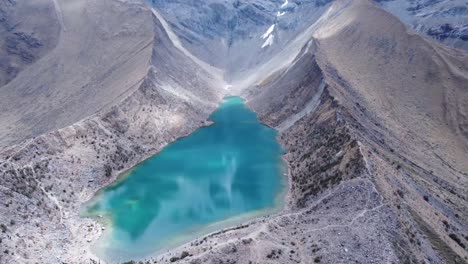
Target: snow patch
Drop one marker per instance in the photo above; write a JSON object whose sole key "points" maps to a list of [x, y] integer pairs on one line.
{"points": [[269, 36], [286, 2], [279, 14], [268, 32], [269, 41]]}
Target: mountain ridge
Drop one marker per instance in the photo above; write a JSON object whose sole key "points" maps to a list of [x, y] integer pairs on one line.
{"points": [[372, 115]]}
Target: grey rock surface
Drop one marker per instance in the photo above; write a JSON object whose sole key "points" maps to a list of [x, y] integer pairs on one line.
{"points": [[445, 21], [231, 34], [373, 117], [28, 30], [101, 56]]}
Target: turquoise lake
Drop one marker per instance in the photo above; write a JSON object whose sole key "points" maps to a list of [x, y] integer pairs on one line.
{"points": [[230, 169]]}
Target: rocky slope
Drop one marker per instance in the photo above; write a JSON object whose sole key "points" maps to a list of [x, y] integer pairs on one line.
{"points": [[101, 56], [445, 21], [28, 30], [373, 117], [377, 163], [240, 35], [45, 180]]}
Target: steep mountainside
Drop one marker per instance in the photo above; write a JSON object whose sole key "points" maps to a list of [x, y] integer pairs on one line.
{"points": [[445, 21], [28, 30], [70, 82], [374, 122], [372, 115], [239, 35], [102, 55], [45, 180]]}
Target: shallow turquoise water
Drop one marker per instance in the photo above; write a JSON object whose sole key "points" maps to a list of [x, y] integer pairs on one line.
{"points": [[224, 170]]}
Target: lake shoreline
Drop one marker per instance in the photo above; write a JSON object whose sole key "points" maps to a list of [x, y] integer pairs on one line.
{"points": [[204, 230]]}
